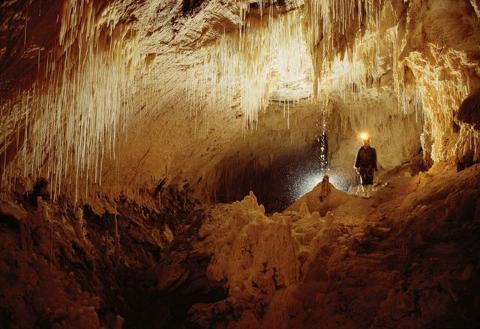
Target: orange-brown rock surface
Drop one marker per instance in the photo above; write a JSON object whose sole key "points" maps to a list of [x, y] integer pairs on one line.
{"points": [[408, 65], [403, 259], [131, 133]]}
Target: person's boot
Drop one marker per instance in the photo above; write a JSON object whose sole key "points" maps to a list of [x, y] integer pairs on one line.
{"points": [[368, 191], [364, 192]]}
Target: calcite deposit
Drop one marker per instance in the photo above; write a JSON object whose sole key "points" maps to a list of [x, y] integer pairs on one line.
{"points": [[213, 71], [160, 161], [389, 262]]}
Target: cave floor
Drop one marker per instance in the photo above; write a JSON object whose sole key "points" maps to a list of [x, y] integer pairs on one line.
{"points": [[406, 258]]}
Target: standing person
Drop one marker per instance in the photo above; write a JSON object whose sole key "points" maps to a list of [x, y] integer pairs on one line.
{"points": [[326, 189], [366, 164]]}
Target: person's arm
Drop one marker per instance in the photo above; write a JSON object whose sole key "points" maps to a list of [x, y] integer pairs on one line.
{"points": [[375, 159], [357, 161]]}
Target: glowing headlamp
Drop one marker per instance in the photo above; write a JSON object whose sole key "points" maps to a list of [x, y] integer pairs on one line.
{"points": [[364, 136]]}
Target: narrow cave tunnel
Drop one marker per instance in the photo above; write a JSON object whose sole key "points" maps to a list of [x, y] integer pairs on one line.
{"points": [[240, 164]]}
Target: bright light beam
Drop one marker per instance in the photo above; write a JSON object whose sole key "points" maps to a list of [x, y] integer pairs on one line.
{"points": [[308, 182]]}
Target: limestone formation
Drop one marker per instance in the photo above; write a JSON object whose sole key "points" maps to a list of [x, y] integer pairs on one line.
{"points": [[161, 164]]}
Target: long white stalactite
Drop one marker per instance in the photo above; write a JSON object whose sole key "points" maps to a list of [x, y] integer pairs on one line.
{"points": [[72, 117], [249, 68]]}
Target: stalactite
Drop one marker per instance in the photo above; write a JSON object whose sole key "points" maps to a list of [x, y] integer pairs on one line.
{"points": [[73, 115], [249, 67], [70, 121]]}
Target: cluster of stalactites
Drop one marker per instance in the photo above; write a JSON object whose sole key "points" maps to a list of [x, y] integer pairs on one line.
{"points": [[70, 118], [357, 44], [246, 69], [343, 40], [333, 25], [350, 50]]}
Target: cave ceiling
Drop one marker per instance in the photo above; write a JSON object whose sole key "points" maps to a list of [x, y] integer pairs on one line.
{"points": [[136, 87]]}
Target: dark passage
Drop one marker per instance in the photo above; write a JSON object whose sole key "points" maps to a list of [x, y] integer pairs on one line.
{"points": [[280, 184]]}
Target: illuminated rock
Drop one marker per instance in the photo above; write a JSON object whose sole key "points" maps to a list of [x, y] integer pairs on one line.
{"points": [[147, 113]]}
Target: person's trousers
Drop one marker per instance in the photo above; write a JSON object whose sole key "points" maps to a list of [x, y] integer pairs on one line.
{"points": [[366, 175]]}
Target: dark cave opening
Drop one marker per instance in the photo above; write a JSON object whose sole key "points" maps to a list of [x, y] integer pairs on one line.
{"points": [[280, 184]]}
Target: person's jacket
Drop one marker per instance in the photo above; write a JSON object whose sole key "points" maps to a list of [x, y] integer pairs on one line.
{"points": [[366, 158]]}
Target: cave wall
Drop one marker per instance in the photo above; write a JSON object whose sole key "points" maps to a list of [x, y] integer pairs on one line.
{"points": [[403, 81], [416, 60], [427, 49], [394, 134], [396, 260], [275, 159]]}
